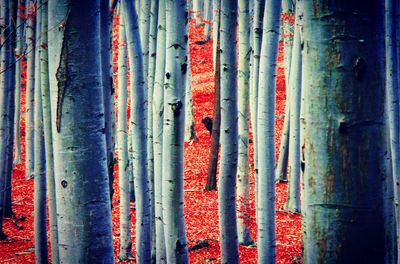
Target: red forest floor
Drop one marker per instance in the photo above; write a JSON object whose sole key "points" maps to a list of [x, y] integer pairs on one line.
{"points": [[201, 208]]}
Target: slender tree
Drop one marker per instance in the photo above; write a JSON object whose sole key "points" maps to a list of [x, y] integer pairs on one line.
{"points": [[30, 85], [139, 130], [293, 200], [48, 135], [256, 54], [345, 139], [158, 119], [392, 99], [215, 135], [243, 186], [150, 145], [7, 84], [80, 159], [19, 50], [40, 162], [229, 134], [266, 239], [176, 68], [287, 13], [123, 160], [11, 108], [108, 90]]}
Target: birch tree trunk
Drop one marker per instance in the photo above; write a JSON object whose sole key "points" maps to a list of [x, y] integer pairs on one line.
{"points": [[123, 159], [392, 100], [158, 119], [30, 87], [345, 139], [7, 83], [11, 109], [256, 53], [80, 159], [293, 198], [20, 43], [150, 145], [176, 68], [48, 135], [243, 185], [108, 90], [40, 162], [138, 124], [216, 122], [287, 12], [229, 135], [266, 134]]}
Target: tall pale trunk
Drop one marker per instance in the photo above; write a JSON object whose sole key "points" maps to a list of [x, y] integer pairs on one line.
{"points": [[243, 183], [287, 12], [266, 238], [150, 144], [176, 68], [293, 198], [18, 71], [158, 119], [138, 123], [229, 134], [48, 135], [30, 86], [123, 158], [40, 162], [257, 31], [345, 139], [80, 160], [108, 90]]}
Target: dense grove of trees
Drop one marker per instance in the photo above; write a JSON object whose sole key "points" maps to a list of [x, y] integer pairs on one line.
{"points": [[339, 151]]}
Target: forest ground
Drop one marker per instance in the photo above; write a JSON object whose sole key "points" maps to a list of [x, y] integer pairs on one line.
{"points": [[201, 208]]}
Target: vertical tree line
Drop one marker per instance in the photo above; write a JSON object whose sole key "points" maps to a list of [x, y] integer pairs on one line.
{"points": [[339, 150]]}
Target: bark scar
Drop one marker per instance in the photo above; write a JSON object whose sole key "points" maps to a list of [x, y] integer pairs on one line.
{"points": [[62, 72]]}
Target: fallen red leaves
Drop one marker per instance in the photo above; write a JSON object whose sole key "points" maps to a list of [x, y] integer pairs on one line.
{"points": [[201, 208]]}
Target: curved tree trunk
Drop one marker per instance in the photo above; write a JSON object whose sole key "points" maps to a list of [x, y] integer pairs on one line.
{"points": [[80, 161], [345, 139], [265, 133]]}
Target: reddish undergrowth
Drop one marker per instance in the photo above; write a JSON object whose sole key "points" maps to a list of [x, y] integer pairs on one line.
{"points": [[201, 208]]}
